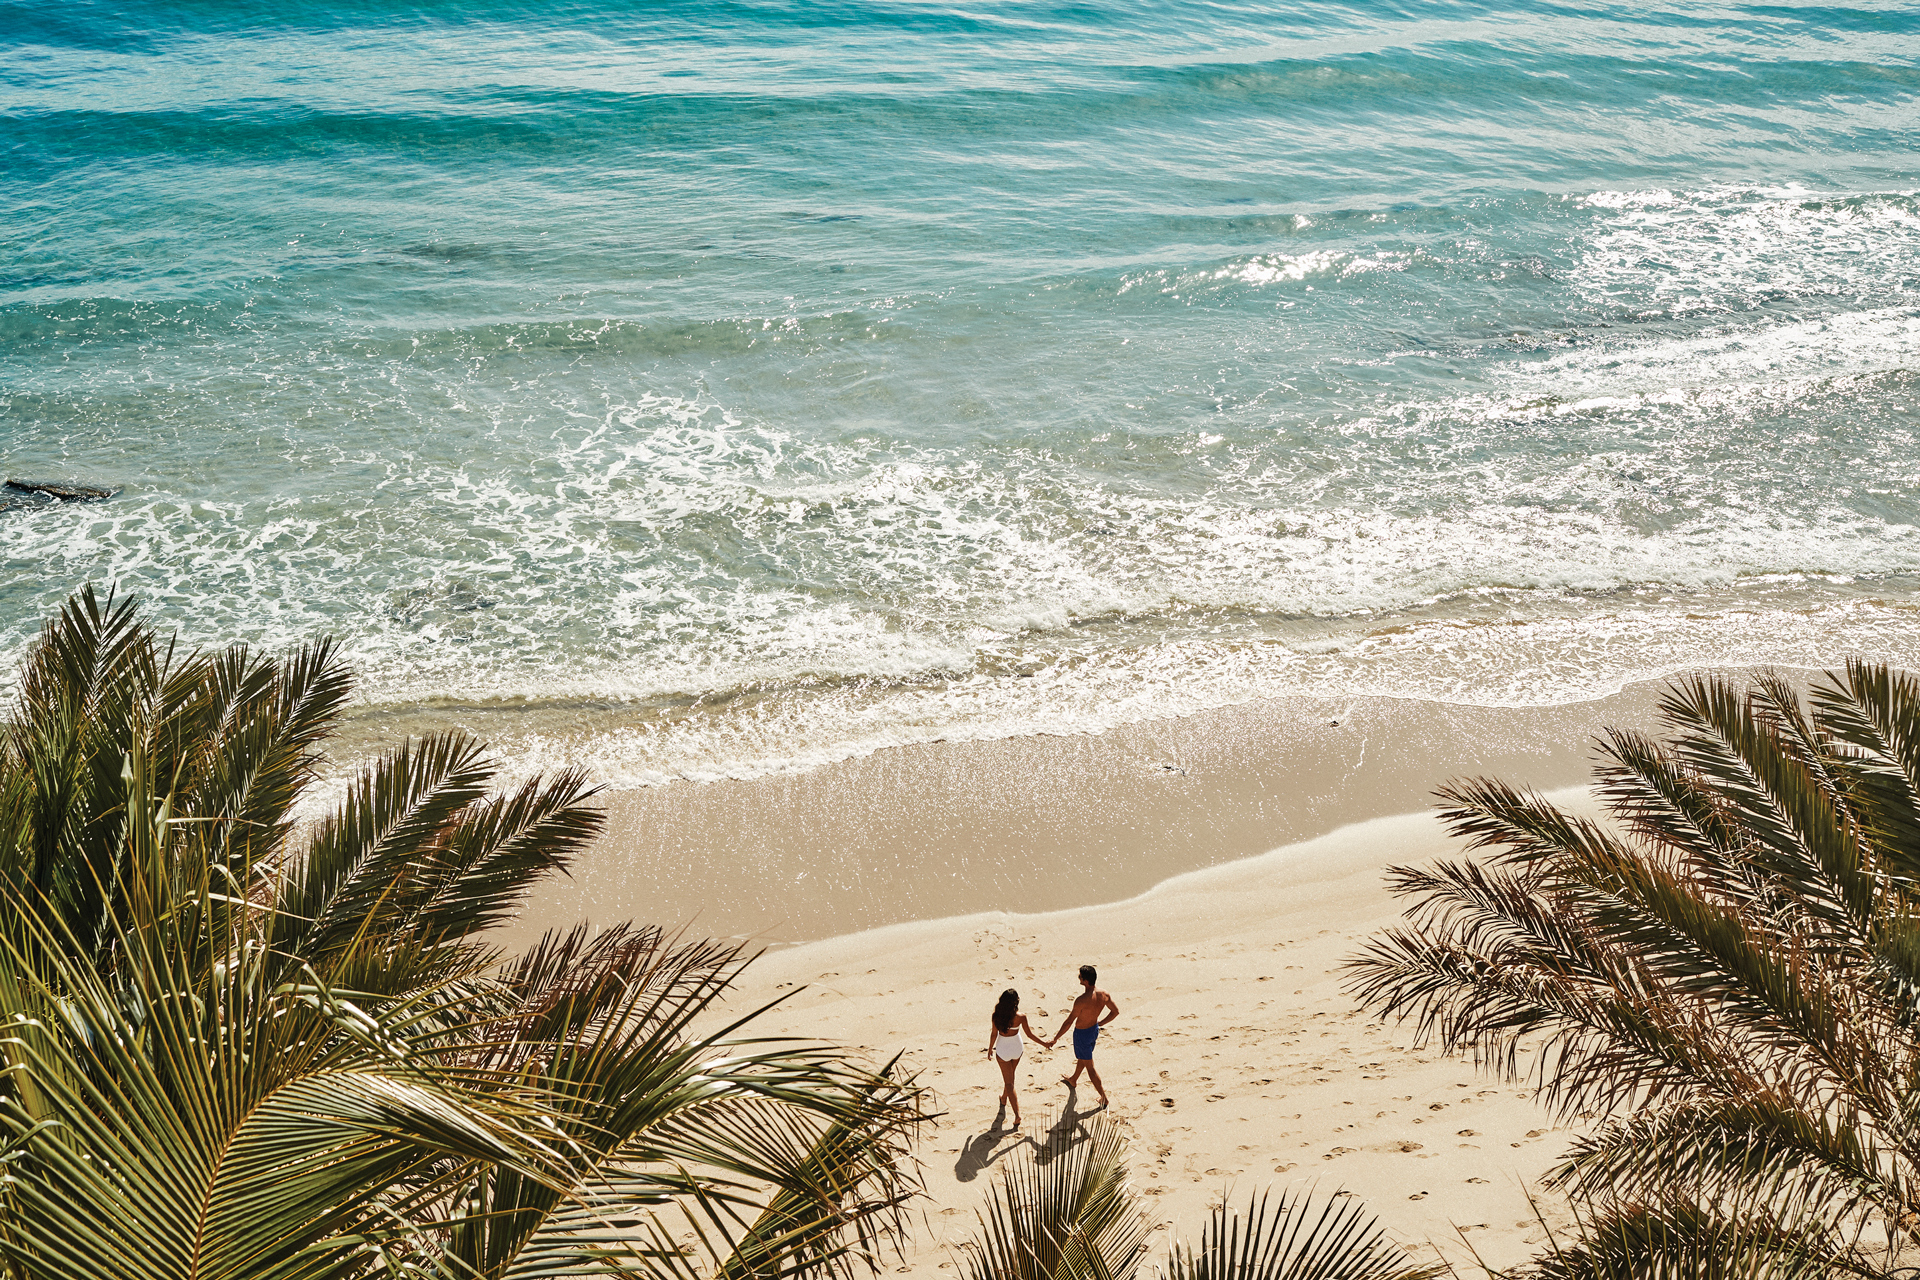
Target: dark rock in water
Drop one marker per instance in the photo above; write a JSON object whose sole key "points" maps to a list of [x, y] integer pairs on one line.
{"points": [[47, 493]]}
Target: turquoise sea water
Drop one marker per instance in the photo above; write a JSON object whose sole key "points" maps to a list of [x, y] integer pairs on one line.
{"points": [[716, 388]]}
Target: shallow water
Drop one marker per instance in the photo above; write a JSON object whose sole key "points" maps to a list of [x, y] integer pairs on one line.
{"points": [[715, 389]]}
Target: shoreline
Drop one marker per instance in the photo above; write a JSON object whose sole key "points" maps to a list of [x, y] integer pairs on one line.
{"points": [[735, 724], [1228, 889], [1043, 823], [1239, 1062]]}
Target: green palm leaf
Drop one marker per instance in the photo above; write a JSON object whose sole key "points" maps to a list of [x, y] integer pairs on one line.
{"points": [[226, 1057], [226, 1131], [353, 869], [1287, 1238], [692, 1155], [1728, 974], [1683, 1240], [1063, 1212]]}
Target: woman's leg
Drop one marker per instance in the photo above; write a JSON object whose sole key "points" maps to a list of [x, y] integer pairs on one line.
{"points": [[1007, 1067]]}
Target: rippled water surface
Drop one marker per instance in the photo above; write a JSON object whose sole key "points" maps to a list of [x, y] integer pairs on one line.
{"points": [[738, 386]]}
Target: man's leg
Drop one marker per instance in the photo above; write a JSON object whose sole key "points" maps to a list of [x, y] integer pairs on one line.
{"points": [[1082, 1048], [1094, 1076]]}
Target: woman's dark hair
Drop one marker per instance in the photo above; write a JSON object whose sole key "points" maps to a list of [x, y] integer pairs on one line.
{"points": [[1004, 1011]]}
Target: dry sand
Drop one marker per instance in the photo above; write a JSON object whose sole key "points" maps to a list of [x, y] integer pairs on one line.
{"points": [[1217, 868], [1237, 1062]]}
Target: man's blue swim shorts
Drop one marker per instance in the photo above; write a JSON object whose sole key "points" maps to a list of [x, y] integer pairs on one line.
{"points": [[1083, 1038]]}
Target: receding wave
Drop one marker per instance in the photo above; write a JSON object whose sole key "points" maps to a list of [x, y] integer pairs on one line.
{"points": [[750, 388]]}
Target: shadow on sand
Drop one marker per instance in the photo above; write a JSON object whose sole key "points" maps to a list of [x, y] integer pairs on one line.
{"points": [[1067, 1132], [979, 1152], [1062, 1135]]}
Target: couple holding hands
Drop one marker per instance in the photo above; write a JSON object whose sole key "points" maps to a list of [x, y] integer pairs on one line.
{"points": [[1092, 1010]]}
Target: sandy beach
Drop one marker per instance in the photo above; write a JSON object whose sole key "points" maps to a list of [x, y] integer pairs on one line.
{"points": [[1218, 869], [1046, 823], [972, 490], [1237, 1062]]}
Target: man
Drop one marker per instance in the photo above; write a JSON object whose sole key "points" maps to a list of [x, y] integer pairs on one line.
{"points": [[1086, 1020]]}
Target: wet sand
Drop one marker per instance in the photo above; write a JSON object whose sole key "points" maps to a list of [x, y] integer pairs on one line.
{"points": [[1217, 868], [1045, 823]]}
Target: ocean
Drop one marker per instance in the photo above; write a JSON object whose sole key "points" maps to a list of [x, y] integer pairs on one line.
{"points": [[712, 390]]}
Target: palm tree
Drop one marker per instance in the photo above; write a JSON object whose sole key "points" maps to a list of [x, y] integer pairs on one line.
{"points": [[1726, 974], [1064, 1211], [238, 1050]]}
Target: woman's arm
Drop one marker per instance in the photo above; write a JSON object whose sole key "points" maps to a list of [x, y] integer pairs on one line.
{"points": [[993, 1035]]}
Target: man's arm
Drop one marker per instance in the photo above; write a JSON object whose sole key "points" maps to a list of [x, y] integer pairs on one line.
{"points": [[1113, 1011], [1064, 1024]]}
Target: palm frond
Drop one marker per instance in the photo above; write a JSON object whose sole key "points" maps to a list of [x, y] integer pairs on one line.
{"points": [[474, 877], [1754, 1146], [1684, 1240], [227, 1130], [1729, 974], [1289, 1238], [359, 858], [1872, 714], [82, 690], [253, 745], [1062, 1212]]}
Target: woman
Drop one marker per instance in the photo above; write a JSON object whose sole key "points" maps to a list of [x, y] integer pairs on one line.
{"points": [[1004, 1044]]}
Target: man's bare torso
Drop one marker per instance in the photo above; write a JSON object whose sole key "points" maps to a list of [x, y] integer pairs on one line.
{"points": [[1088, 1007]]}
